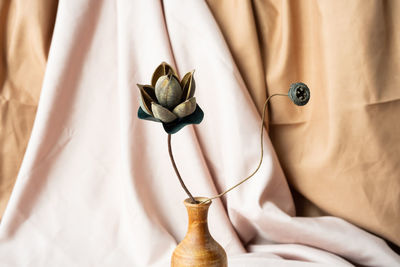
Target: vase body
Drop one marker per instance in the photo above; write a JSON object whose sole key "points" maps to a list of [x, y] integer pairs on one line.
{"points": [[198, 248]]}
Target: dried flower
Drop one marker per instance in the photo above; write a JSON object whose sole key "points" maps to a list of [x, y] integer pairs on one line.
{"points": [[299, 93], [169, 101]]}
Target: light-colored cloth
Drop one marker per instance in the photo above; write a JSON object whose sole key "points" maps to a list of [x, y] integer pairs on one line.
{"points": [[96, 187], [341, 151], [25, 34]]}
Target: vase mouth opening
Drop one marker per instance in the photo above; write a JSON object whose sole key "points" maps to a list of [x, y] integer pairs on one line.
{"points": [[188, 202]]}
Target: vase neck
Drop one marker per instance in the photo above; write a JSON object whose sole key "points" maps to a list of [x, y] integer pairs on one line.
{"points": [[197, 215]]}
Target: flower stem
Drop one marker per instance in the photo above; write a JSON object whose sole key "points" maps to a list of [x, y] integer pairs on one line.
{"points": [[261, 153], [171, 156]]}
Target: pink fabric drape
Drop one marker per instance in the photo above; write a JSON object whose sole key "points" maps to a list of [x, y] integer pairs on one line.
{"points": [[96, 187]]}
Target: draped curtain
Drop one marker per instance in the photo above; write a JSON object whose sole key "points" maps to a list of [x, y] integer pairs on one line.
{"points": [[94, 186]]}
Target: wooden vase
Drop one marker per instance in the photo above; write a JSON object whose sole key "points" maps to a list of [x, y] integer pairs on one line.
{"points": [[198, 248]]}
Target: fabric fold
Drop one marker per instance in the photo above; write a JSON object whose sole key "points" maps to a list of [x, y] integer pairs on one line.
{"points": [[96, 187]]}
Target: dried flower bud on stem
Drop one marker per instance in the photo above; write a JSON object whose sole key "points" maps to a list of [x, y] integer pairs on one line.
{"points": [[299, 93]]}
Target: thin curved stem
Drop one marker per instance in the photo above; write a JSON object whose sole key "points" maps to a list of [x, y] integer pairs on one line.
{"points": [[261, 154], [171, 156]]}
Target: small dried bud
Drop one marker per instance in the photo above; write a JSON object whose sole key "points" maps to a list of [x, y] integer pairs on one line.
{"points": [[299, 93]]}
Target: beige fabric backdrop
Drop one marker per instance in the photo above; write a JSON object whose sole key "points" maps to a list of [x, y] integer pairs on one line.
{"points": [[342, 152], [25, 35]]}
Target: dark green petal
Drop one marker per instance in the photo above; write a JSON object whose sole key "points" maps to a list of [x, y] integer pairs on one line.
{"points": [[195, 118], [144, 116]]}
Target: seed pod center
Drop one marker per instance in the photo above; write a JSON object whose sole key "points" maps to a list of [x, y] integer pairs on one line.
{"points": [[168, 91]]}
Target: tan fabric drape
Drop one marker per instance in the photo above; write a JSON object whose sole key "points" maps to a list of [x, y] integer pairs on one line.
{"points": [[25, 34], [342, 150]]}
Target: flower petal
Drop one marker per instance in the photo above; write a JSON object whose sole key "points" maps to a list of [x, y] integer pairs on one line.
{"points": [[186, 108], [168, 91], [144, 116], [147, 95], [162, 113], [195, 118], [161, 70], [188, 86]]}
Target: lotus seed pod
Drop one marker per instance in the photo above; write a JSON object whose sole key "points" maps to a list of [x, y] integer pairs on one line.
{"points": [[162, 113], [188, 86], [186, 108], [162, 69], [299, 93], [144, 107], [168, 91], [147, 95]]}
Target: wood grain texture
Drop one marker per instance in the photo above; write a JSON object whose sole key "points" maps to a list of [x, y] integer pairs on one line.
{"points": [[198, 248]]}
